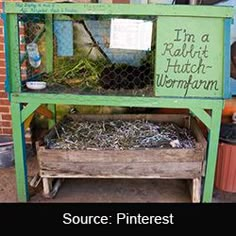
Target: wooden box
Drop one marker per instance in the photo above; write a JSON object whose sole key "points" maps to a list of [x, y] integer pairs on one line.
{"points": [[147, 163]]}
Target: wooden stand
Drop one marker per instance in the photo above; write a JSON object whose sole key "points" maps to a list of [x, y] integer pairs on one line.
{"points": [[197, 79]]}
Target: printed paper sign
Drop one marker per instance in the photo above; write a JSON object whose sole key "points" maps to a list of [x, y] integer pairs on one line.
{"points": [[131, 34]]}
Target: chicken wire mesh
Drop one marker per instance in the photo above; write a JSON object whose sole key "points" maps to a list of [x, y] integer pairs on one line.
{"points": [[83, 61]]}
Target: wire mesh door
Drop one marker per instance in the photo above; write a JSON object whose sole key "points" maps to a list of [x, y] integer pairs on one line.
{"points": [[84, 60]]}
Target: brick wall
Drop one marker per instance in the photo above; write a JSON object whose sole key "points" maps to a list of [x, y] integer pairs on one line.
{"points": [[5, 115]]}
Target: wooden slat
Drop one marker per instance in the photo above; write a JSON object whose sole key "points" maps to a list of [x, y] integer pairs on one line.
{"points": [[124, 101], [120, 170], [117, 9], [196, 190], [178, 119], [123, 156], [46, 186]]}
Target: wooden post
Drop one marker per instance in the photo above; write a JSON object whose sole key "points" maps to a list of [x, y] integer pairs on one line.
{"points": [[196, 190], [49, 60], [46, 187], [13, 71], [19, 153], [213, 140]]}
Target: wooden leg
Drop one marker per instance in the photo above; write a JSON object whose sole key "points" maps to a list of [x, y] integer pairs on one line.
{"points": [[213, 140], [19, 153], [196, 190], [46, 187], [49, 189]]}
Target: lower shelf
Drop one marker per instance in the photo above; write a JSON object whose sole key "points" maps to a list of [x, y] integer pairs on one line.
{"points": [[143, 164]]}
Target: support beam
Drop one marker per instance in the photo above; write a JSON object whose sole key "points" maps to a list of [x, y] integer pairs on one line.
{"points": [[19, 153], [202, 115], [13, 69], [99, 100], [117, 9], [49, 42], [28, 110], [212, 155]]}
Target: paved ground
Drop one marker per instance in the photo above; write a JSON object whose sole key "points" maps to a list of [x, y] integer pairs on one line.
{"points": [[104, 190]]}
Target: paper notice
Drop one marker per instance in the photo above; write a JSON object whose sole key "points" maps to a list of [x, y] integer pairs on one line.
{"points": [[131, 34]]}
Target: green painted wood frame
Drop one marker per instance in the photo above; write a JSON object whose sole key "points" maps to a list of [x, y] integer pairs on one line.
{"points": [[196, 105]]}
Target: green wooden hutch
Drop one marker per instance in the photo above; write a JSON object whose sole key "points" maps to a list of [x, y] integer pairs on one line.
{"points": [[191, 67]]}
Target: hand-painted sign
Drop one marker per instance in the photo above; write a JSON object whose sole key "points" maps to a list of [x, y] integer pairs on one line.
{"points": [[190, 57]]}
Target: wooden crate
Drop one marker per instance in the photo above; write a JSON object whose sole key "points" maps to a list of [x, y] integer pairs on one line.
{"points": [[147, 163]]}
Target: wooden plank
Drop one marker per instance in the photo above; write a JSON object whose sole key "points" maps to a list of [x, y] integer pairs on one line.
{"points": [[196, 190], [184, 170], [43, 110], [46, 186], [177, 118], [202, 115], [227, 58], [49, 42], [12, 34], [121, 101], [118, 9], [19, 153], [213, 141], [127, 156], [28, 110], [28, 121]]}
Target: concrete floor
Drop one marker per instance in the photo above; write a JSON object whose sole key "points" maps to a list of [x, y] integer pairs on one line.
{"points": [[104, 190]]}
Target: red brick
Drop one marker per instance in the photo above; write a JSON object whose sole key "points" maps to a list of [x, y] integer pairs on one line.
{"points": [[6, 117], [4, 102], [2, 78], [2, 70], [1, 38], [7, 131], [4, 109], [5, 124], [3, 95], [2, 63], [2, 47], [2, 54], [24, 64], [22, 48], [22, 30], [2, 87]]}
